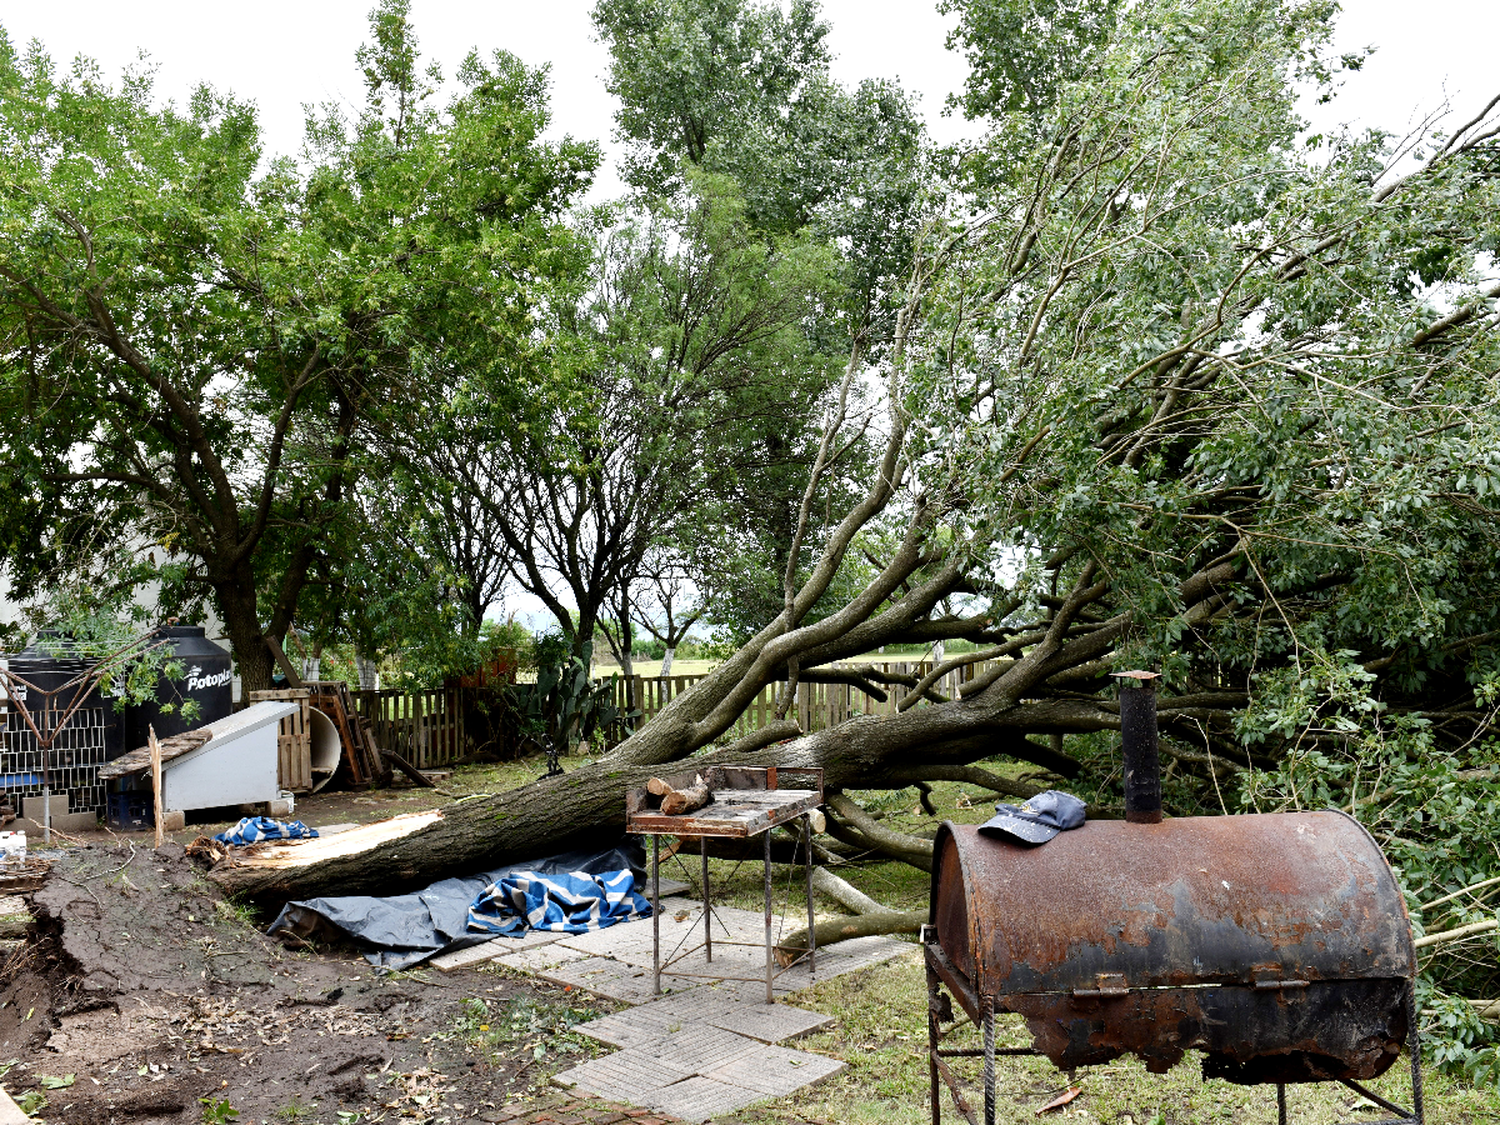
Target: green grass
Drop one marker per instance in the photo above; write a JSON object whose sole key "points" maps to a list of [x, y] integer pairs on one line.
{"points": [[880, 1031]]}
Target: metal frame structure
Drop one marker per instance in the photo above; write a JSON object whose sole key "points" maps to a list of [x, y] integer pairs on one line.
{"points": [[747, 802], [940, 967]]}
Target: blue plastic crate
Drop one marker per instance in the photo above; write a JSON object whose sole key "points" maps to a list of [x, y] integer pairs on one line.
{"points": [[131, 811]]}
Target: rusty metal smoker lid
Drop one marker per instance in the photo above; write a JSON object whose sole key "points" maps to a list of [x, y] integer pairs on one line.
{"points": [[1190, 901]]}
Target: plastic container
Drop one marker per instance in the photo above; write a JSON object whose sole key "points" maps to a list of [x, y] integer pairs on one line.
{"points": [[207, 679], [13, 849]]}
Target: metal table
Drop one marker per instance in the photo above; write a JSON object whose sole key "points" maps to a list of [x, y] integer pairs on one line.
{"points": [[746, 801]]}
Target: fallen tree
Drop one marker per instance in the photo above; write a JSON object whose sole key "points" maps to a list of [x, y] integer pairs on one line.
{"points": [[1163, 392]]}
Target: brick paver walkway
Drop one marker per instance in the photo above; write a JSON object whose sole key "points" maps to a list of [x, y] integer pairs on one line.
{"points": [[710, 1045]]}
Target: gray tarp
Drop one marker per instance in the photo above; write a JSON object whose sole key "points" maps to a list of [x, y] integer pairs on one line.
{"points": [[403, 930]]}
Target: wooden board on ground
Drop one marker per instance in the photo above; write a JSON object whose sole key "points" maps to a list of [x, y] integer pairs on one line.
{"points": [[303, 853]]}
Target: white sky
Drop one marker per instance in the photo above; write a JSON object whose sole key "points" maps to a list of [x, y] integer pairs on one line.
{"points": [[284, 53], [281, 53]]}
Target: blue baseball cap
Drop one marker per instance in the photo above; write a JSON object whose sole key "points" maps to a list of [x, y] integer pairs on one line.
{"points": [[1038, 820]]}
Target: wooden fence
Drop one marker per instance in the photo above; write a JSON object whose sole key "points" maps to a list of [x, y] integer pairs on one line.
{"points": [[428, 727], [424, 727], [819, 705]]}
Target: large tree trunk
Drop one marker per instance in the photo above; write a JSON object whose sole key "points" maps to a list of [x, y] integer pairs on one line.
{"points": [[587, 806]]}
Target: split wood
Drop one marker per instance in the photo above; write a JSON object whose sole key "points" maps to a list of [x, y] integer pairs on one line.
{"points": [[675, 802]]}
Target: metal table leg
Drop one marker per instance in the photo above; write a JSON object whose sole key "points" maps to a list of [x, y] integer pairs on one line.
{"points": [[708, 936], [656, 915], [770, 974], [812, 931]]}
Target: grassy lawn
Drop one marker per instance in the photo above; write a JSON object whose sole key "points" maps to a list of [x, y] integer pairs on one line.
{"points": [[881, 1028]]}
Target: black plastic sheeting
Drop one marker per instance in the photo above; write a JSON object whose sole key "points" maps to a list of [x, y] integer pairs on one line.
{"points": [[404, 930]]}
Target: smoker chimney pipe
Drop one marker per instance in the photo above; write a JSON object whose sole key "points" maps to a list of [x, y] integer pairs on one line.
{"points": [[1138, 738]]}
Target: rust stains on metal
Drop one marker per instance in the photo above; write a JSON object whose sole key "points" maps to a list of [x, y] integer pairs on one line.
{"points": [[1279, 945]]}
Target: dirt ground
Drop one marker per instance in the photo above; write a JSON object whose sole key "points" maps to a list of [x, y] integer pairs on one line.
{"points": [[139, 995]]}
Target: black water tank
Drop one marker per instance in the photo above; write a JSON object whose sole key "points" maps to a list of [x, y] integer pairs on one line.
{"points": [[50, 662], [206, 680]]}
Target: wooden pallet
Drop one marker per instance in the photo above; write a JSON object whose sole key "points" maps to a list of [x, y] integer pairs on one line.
{"points": [[293, 738]]}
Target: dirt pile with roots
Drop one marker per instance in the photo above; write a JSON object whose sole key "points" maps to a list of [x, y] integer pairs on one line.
{"points": [[140, 995]]}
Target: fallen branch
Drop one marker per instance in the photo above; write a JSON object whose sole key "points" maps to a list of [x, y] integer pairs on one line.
{"points": [[1463, 891], [765, 736], [968, 775], [1444, 936], [909, 849], [833, 930], [1486, 1009], [845, 894]]}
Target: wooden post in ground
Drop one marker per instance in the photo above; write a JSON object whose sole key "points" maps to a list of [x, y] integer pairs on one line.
{"points": [[155, 747]]}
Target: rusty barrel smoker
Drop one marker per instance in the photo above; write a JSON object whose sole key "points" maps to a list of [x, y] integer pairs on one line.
{"points": [[1277, 945]]}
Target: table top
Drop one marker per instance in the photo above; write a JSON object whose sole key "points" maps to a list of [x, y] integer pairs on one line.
{"points": [[732, 812], [745, 801]]}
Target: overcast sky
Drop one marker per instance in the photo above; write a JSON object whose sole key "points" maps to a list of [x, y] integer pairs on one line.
{"points": [[284, 53]]}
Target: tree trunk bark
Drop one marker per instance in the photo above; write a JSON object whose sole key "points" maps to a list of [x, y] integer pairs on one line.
{"points": [[587, 807]]}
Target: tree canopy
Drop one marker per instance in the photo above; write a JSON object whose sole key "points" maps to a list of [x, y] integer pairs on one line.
{"points": [[195, 351]]}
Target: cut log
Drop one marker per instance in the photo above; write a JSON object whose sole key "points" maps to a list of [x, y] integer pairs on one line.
{"points": [[675, 802]]}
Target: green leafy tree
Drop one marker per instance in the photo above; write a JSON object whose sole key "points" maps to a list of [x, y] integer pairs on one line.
{"points": [[743, 90], [196, 357], [688, 329]]}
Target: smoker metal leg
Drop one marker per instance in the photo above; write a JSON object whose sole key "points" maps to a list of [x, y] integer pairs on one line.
{"points": [[656, 915], [1414, 1048], [988, 1003], [708, 935], [1281, 1103], [770, 973], [933, 985]]}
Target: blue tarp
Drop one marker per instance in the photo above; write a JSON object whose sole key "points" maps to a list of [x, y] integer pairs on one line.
{"points": [[400, 931]]}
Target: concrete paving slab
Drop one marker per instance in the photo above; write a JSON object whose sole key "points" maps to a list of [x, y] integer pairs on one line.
{"points": [[699, 1099], [775, 1072], [625, 937], [627, 1075], [651, 1022], [668, 886], [530, 939], [698, 1048], [465, 957], [707, 1047], [540, 958], [615, 980], [769, 1023]]}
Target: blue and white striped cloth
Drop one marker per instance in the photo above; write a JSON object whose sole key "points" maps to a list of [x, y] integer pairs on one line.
{"points": [[254, 829], [571, 903]]}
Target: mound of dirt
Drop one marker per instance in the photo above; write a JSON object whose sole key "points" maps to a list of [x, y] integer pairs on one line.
{"points": [[141, 996]]}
